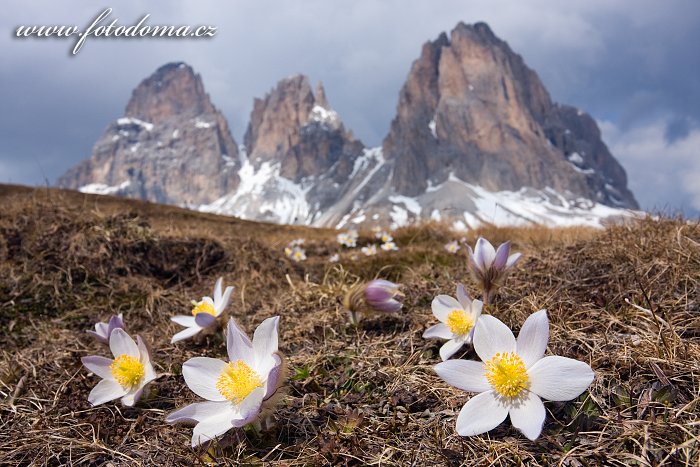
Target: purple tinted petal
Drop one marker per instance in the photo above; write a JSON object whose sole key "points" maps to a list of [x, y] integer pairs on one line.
{"points": [[501, 257], [204, 320], [484, 253], [512, 259], [463, 297]]}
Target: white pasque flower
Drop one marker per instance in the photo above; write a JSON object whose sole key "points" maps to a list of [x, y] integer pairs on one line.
{"points": [[348, 239], [204, 313], [104, 330], [369, 250], [389, 246], [126, 375], [512, 377], [384, 236], [457, 321], [452, 247], [234, 391]]}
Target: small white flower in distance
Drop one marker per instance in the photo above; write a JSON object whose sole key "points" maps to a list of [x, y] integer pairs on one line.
{"points": [[348, 239], [389, 246], [126, 375], [234, 391], [385, 237], [452, 247], [104, 330], [296, 253], [334, 258], [512, 377], [457, 321], [204, 313], [490, 267], [369, 250]]}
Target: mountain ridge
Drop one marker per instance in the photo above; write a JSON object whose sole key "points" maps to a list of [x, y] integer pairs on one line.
{"points": [[474, 125]]}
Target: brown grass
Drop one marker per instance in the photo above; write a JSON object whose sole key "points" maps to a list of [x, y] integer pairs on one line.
{"points": [[355, 396]]}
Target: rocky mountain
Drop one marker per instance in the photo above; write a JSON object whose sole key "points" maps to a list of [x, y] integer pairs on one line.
{"points": [[172, 146], [476, 139]]}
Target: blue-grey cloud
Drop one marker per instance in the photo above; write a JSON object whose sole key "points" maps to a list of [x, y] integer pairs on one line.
{"points": [[632, 64]]}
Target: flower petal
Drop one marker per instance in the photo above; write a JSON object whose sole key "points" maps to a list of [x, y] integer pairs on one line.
{"points": [[183, 320], [527, 415], [533, 338], [480, 414], [238, 345], [475, 310], [105, 391], [472, 261], [249, 407], [273, 377], [499, 261], [438, 331], [466, 375], [450, 348], [204, 320], [201, 374], [463, 297], [213, 427], [120, 343], [265, 340], [442, 306], [512, 259], [98, 336], [185, 334], [559, 378], [197, 412], [133, 396], [492, 336], [217, 289], [116, 321], [99, 365], [223, 303], [484, 252]]}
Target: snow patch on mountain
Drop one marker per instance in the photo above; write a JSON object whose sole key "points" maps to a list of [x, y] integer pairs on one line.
{"points": [[102, 189]]}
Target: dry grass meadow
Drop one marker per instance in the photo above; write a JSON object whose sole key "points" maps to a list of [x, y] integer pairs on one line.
{"points": [[355, 396]]}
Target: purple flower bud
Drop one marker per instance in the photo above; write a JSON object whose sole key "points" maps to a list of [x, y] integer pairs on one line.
{"points": [[375, 296], [104, 330], [490, 267]]}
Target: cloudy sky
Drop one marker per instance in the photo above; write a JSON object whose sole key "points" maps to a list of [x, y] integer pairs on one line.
{"points": [[634, 65]]}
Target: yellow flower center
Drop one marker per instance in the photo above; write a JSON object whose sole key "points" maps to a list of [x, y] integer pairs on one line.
{"points": [[203, 307], [459, 322], [237, 381], [507, 374], [127, 370]]}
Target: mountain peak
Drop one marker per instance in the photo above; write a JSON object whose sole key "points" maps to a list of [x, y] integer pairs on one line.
{"points": [[173, 90]]}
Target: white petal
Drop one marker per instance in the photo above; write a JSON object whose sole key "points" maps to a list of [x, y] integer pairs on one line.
{"points": [[120, 343], [99, 365], [221, 306], [273, 383], [201, 374], [213, 427], [198, 412], [265, 340], [238, 345], [204, 320], [559, 378], [527, 415], [185, 334], [482, 413], [217, 289], [450, 348], [183, 320], [442, 306], [249, 407], [98, 336], [132, 397], [533, 338], [475, 310], [485, 253], [144, 351], [466, 375], [105, 391], [512, 259], [463, 297], [472, 260], [438, 331], [491, 336]]}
